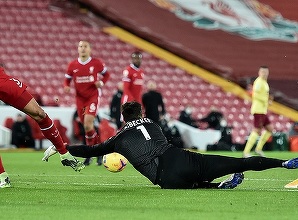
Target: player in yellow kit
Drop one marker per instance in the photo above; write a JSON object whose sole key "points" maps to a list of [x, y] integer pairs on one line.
{"points": [[260, 101]]}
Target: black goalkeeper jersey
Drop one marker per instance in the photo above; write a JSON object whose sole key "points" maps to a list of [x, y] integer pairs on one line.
{"points": [[141, 141]]}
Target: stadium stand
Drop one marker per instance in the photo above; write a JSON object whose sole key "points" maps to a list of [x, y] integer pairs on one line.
{"points": [[8, 122], [223, 53], [38, 41]]}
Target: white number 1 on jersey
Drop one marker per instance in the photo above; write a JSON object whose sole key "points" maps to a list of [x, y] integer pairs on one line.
{"points": [[144, 131]]}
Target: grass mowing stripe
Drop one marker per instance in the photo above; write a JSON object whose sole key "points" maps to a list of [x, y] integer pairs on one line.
{"points": [[86, 184], [50, 191], [43, 175], [74, 175], [270, 190], [251, 179]]}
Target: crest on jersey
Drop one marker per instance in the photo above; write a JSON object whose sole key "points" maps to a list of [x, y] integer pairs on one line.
{"points": [[248, 18], [91, 69]]}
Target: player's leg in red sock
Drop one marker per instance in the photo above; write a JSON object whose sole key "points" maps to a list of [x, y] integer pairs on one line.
{"points": [[50, 131]]}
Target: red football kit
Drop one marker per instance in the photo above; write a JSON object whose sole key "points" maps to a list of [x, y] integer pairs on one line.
{"points": [[11, 90], [84, 75], [133, 80]]}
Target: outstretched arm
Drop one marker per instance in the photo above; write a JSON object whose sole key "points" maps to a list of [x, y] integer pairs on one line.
{"points": [[88, 151]]}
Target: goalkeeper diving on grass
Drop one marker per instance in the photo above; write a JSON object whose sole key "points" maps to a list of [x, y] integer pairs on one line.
{"points": [[142, 142]]}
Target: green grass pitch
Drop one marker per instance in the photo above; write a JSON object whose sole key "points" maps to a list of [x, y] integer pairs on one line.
{"points": [[43, 190]]}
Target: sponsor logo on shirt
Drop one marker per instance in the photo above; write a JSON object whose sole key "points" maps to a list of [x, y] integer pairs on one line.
{"points": [[84, 79], [138, 82]]}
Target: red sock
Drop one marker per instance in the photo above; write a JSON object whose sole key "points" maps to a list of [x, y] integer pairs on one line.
{"points": [[50, 131], [91, 137], [1, 167]]}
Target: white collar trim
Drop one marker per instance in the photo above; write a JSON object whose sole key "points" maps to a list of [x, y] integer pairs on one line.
{"points": [[85, 62]]}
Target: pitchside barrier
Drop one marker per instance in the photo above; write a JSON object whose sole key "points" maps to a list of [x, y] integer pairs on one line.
{"points": [[64, 114], [5, 136]]}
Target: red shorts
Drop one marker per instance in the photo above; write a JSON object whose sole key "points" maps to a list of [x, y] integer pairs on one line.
{"points": [[261, 120], [87, 106], [13, 92]]}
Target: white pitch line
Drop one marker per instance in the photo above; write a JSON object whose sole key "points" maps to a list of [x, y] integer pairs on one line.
{"points": [[267, 189], [147, 185], [279, 180], [132, 185], [70, 175], [86, 184], [132, 176]]}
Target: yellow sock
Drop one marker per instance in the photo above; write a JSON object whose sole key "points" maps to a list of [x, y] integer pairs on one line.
{"points": [[263, 139], [250, 142]]}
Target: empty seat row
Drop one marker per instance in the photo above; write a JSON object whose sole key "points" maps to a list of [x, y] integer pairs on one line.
{"points": [[44, 42]]}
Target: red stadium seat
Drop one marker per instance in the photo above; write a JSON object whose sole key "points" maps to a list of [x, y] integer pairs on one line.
{"points": [[62, 130], [36, 132], [41, 33], [294, 143], [106, 130], [8, 122]]}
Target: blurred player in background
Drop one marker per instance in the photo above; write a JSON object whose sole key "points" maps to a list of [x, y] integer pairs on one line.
{"points": [[153, 103], [133, 79], [89, 76], [115, 106], [259, 107], [13, 92]]}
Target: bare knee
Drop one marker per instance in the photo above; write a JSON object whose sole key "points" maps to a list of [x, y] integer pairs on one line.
{"points": [[88, 123]]}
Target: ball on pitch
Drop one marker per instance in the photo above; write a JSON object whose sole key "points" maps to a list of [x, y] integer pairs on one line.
{"points": [[114, 162]]}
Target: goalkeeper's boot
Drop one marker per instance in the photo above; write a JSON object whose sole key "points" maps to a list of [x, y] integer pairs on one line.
{"points": [[68, 160], [4, 180], [49, 152], [88, 161], [291, 164], [233, 181], [99, 161]]}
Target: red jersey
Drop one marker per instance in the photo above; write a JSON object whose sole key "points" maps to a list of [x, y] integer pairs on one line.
{"points": [[133, 80], [3, 75], [10, 88], [84, 75]]}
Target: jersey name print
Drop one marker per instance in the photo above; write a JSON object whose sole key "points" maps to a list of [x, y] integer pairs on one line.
{"points": [[137, 122]]}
